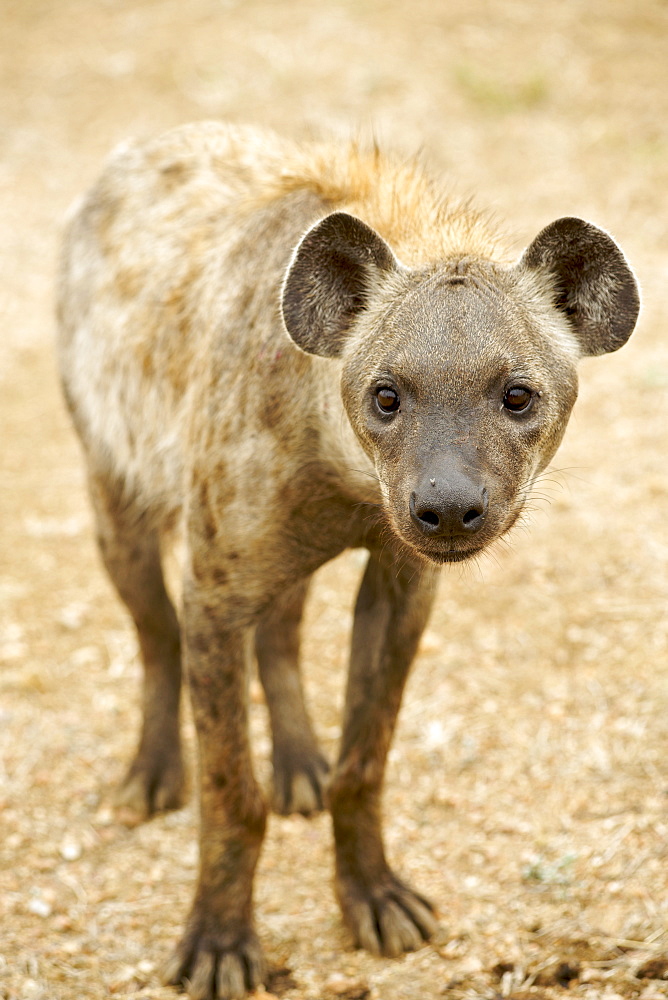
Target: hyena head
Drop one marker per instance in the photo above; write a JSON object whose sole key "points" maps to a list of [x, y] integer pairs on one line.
{"points": [[458, 378]]}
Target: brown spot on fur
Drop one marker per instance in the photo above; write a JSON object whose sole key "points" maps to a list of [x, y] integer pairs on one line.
{"points": [[219, 471], [206, 518], [129, 282], [147, 365], [174, 175]]}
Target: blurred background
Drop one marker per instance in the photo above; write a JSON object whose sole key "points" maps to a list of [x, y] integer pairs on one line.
{"points": [[527, 787]]}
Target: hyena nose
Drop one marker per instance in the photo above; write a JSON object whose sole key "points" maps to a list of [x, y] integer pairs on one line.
{"points": [[453, 509]]}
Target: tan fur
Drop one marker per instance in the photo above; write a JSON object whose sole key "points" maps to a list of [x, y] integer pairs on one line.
{"points": [[396, 198]]}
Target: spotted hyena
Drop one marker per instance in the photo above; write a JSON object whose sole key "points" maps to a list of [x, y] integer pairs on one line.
{"points": [[288, 351]]}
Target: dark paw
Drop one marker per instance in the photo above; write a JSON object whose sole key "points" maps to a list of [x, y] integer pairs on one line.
{"points": [[387, 918], [153, 784], [221, 966], [300, 778]]}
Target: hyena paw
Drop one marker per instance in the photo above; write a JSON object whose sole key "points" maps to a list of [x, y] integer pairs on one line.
{"points": [[217, 966], [153, 784], [387, 918], [300, 778]]}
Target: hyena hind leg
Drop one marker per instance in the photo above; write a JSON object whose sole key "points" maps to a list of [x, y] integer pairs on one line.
{"points": [[130, 549], [300, 770]]}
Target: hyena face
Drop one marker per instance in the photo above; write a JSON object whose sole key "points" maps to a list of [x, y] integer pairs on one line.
{"points": [[457, 379]]}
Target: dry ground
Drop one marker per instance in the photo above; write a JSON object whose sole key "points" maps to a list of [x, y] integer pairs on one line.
{"points": [[528, 786]]}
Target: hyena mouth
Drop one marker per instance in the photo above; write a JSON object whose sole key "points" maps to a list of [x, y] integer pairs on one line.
{"points": [[444, 550], [442, 556]]}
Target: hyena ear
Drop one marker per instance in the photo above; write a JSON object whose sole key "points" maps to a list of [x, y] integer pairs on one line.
{"points": [[329, 280], [592, 283]]}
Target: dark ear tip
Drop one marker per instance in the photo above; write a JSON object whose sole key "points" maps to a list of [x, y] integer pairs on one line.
{"points": [[345, 232], [574, 236]]}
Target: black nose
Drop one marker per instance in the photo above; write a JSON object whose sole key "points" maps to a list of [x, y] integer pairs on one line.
{"points": [[455, 508]]}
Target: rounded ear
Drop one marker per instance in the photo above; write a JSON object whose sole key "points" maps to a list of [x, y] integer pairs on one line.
{"points": [[328, 282], [591, 281]]}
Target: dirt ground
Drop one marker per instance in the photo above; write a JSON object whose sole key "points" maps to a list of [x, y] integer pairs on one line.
{"points": [[528, 786]]}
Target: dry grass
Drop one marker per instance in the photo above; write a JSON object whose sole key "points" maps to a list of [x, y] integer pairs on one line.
{"points": [[527, 786]]}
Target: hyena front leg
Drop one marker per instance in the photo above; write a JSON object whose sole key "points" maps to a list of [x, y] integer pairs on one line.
{"points": [[385, 915], [300, 770], [220, 955], [131, 553]]}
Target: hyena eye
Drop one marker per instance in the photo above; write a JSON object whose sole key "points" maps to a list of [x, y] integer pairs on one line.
{"points": [[517, 398], [387, 400]]}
